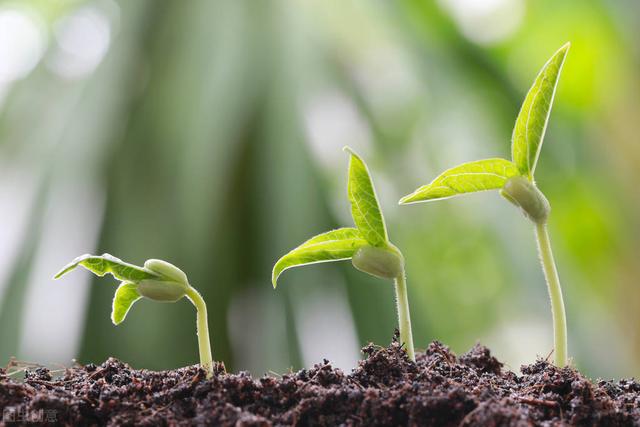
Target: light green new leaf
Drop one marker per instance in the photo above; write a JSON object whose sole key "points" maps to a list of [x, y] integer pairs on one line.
{"points": [[531, 123], [334, 245], [480, 175], [126, 295], [365, 209], [104, 264]]}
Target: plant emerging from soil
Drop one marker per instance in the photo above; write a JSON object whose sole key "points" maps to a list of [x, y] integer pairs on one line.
{"points": [[439, 390], [158, 281], [516, 183], [367, 245]]}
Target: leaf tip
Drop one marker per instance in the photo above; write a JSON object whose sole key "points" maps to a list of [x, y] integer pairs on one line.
{"points": [[115, 319], [350, 151], [71, 266], [408, 199], [67, 268], [275, 273], [563, 51]]}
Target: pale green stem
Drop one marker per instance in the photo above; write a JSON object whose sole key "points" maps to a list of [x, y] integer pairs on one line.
{"points": [[555, 295], [204, 345], [404, 318]]}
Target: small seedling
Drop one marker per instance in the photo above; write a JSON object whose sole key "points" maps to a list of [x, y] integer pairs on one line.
{"points": [[367, 245], [158, 281], [516, 183]]}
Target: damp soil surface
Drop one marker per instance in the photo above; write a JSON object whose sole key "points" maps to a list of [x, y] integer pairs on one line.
{"points": [[385, 389]]}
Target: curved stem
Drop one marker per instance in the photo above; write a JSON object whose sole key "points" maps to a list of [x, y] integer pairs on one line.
{"points": [[204, 345], [555, 295], [404, 318]]}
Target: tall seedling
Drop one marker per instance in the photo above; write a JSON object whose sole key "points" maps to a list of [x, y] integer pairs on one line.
{"points": [[515, 180]]}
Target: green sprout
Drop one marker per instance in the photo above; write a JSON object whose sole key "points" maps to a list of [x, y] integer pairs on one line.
{"points": [[367, 245], [516, 183], [158, 281]]}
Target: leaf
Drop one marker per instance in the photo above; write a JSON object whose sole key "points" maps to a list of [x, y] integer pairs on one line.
{"points": [[531, 123], [480, 175], [105, 263], [126, 295], [334, 245], [365, 209]]}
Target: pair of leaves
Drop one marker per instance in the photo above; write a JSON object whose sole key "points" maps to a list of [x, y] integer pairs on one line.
{"points": [[528, 134], [342, 243], [130, 275]]}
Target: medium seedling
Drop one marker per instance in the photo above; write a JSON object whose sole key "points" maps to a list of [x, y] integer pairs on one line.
{"points": [[516, 183], [367, 245], [158, 281]]}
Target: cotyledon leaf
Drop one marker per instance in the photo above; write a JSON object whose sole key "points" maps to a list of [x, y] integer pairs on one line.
{"points": [[105, 263], [365, 209], [480, 175], [334, 245], [126, 295], [531, 123]]}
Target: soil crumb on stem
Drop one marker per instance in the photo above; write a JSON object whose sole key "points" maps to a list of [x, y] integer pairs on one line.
{"points": [[385, 389]]}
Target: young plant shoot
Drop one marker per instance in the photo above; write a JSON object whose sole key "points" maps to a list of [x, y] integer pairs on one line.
{"points": [[367, 245], [516, 183], [158, 281]]}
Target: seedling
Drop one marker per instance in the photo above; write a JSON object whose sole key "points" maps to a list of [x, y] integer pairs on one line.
{"points": [[516, 183], [367, 245], [158, 281]]}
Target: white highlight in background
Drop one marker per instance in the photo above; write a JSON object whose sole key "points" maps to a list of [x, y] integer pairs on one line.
{"points": [[22, 43], [331, 122], [82, 40], [257, 327], [54, 315], [18, 192], [325, 326], [486, 21], [519, 341]]}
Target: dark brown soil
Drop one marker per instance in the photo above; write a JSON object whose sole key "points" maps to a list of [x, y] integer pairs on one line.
{"points": [[386, 389]]}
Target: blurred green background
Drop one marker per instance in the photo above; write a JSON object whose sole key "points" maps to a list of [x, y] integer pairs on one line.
{"points": [[209, 134]]}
